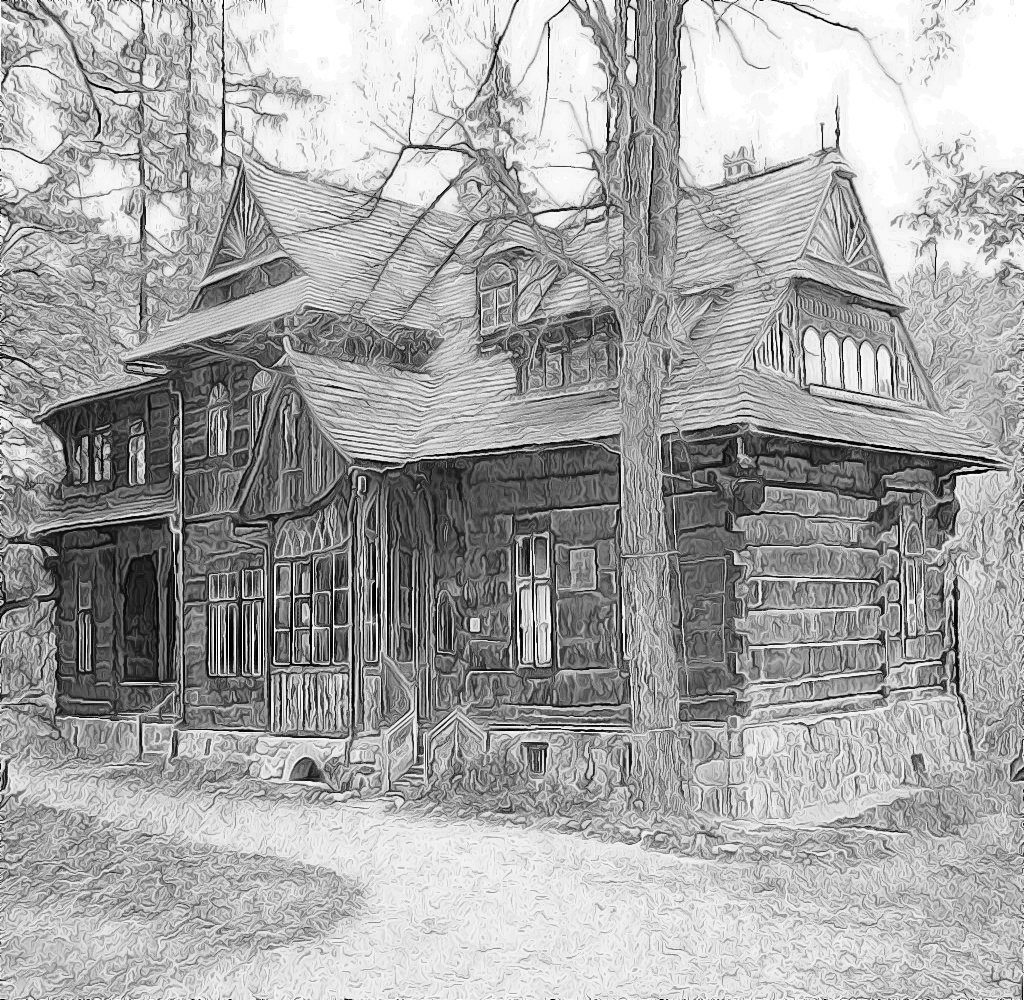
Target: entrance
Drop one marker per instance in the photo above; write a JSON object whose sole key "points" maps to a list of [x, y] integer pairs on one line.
{"points": [[141, 603]]}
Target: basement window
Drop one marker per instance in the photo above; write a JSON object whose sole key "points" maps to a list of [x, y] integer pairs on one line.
{"points": [[536, 759]]}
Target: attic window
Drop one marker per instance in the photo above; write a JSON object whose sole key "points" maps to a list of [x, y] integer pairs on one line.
{"points": [[858, 367], [581, 355], [496, 291], [237, 286]]}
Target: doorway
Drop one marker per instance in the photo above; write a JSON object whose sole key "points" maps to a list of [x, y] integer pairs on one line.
{"points": [[141, 603]]}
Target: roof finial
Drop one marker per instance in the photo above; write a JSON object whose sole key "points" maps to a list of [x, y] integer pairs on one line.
{"points": [[822, 126], [837, 122]]}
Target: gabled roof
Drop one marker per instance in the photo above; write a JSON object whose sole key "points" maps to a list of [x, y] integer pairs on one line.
{"points": [[114, 383], [356, 253], [370, 414]]}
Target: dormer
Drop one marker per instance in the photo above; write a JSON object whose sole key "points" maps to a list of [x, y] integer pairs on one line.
{"points": [[247, 255]]}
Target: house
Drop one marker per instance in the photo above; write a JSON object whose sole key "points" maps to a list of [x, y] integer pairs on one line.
{"points": [[360, 502]]}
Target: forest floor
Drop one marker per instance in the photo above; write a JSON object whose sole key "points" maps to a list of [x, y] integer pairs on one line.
{"points": [[142, 880]]}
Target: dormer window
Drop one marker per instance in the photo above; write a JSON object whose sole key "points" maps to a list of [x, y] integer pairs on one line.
{"points": [[582, 355], [496, 291], [854, 367]]}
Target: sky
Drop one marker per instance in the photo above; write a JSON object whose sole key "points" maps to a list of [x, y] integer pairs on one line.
{"points": [[363, 56]]}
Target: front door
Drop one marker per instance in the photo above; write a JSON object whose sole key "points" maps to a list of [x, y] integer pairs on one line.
{"points": [[141, 603]]}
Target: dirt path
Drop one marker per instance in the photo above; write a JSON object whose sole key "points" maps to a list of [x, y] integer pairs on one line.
{"points": [[121, 883]]}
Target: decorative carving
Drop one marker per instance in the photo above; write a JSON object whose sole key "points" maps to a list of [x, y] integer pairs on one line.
{"points": [[841, 234]]}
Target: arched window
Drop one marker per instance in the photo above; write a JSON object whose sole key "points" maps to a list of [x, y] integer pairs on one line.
{"points": [[812, 356], [444, 625], [290, 432], [851, 375], [496, 289], [885, 373], [833, 366], [258, 401], [137, 454], [868, 372], [217, 421]]}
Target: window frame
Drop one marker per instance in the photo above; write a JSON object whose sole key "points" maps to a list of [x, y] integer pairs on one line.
{"points": [[496, 295], [913, 571], [534, 601], [308, 620], [137, 447], [85, 627], [811, 345], [444, 624], [218, 422]]}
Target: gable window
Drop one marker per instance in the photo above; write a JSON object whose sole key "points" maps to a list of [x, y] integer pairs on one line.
{"points": [[137, 453], [496, 292], [851, 365], [532, 560], [885, 372], [217, 421], [444, 625], [290, 432], [258, 402], [813, 369], [913, 569], [833, 373], [868, 371], [84, 629]]}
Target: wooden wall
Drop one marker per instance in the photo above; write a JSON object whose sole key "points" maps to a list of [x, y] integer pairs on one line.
{"points": [[820, 587], [481, 506], [238, 702], [101, 558], [210, 482]]}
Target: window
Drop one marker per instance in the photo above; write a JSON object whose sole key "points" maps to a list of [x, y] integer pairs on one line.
{"points": [[217, 421], [311, 609], [258, 402], [885, 373], [405, 567], [851, 366], [812, 357], [85, 636], [496, 289], [80, 461], [533, 599], [913, 569], [101, 466], [536, 758], [868, 372], [253, 622], [833, 373], [584, 362], [222, 625], [290, 432], [444, 626], [137, 453]]}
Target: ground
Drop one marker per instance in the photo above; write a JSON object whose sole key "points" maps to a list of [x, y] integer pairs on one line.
{"points": [[144, 881]]}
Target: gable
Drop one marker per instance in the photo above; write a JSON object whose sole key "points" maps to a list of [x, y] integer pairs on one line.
{"points": [[841, 234], [294, 465], [245, 234]]}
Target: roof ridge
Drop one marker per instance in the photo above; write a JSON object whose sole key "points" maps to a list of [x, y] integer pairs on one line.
{"points": [[830, 156]]}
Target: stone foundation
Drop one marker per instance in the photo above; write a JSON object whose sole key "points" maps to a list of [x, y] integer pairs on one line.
{"points": [[786, 766]]}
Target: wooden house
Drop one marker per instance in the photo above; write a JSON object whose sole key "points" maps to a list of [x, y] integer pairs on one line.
{"points": [[381, 500]]}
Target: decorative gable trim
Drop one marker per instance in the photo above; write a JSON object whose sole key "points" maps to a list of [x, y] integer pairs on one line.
{"points": [[841, 235], [245, 236]]}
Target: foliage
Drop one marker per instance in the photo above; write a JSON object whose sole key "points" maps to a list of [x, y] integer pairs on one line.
{"points": [[970, 329]]}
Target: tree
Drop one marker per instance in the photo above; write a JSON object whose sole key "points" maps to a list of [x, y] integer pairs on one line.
{"points": [[634, 176]]}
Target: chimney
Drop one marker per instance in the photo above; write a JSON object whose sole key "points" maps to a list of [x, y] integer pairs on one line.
{"points": [[740, 164]]}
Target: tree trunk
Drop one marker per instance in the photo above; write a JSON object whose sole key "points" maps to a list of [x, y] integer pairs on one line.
{"points": [[645, 169], [143, 199]]}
